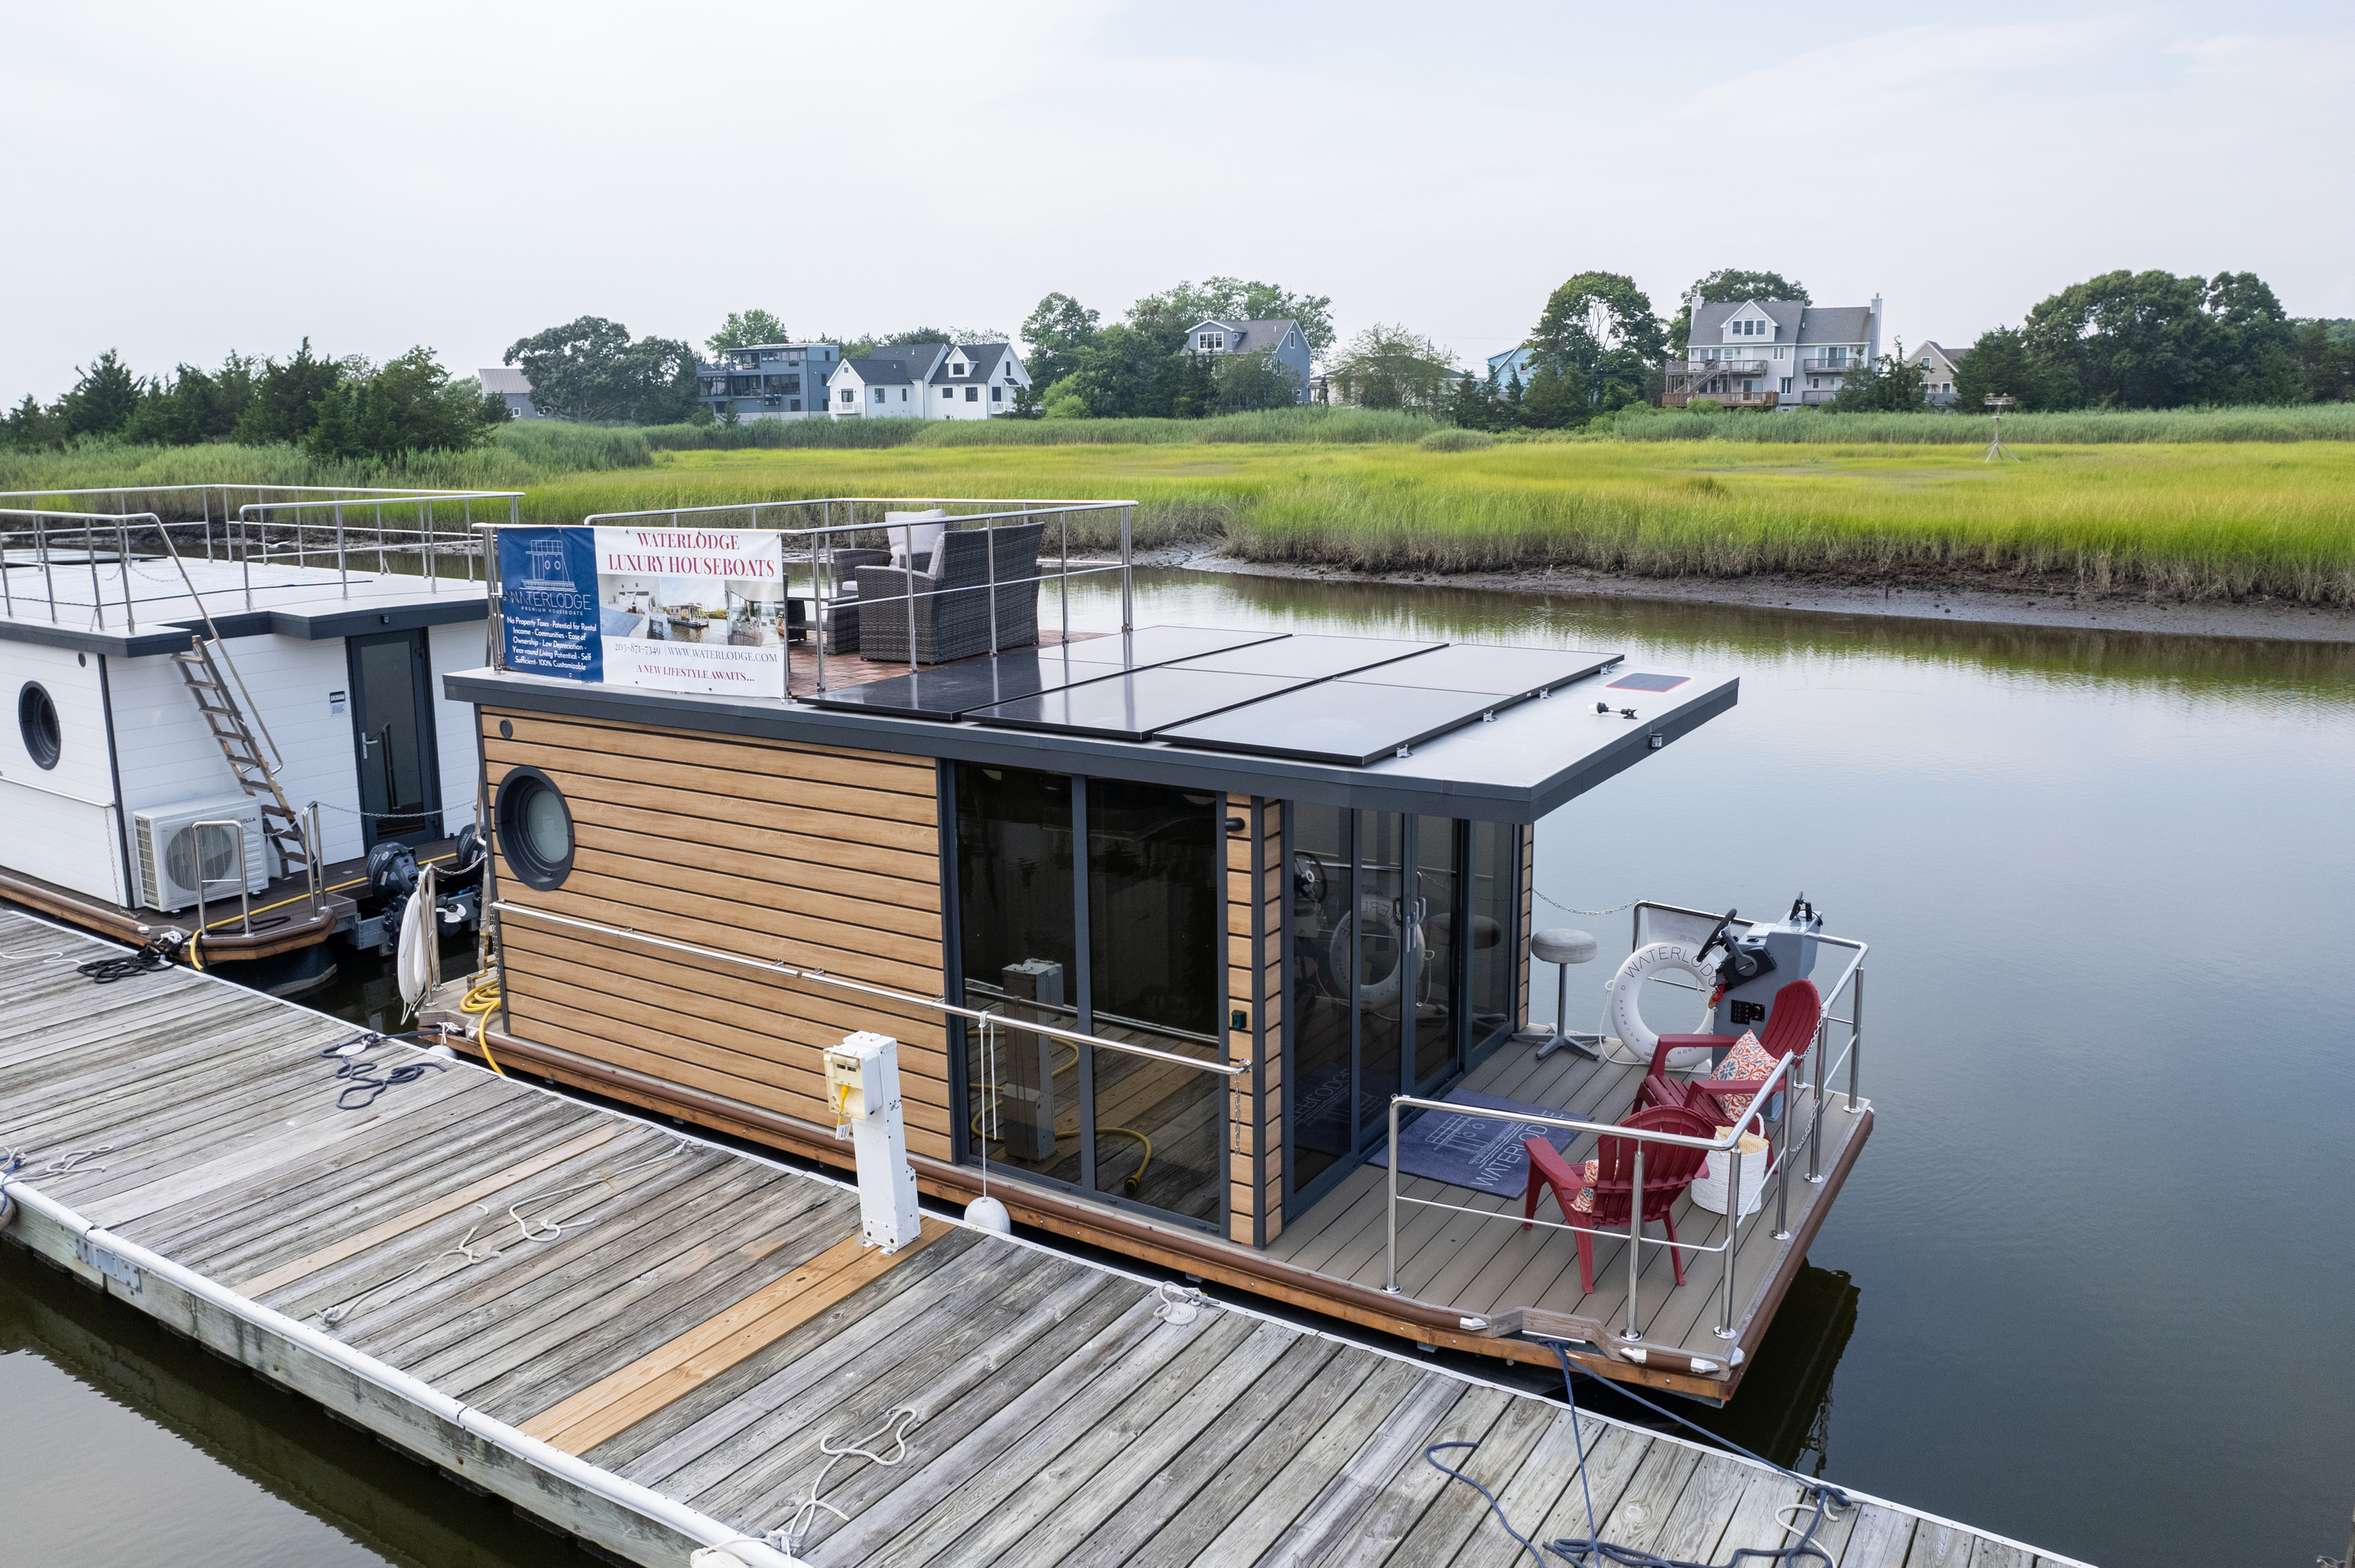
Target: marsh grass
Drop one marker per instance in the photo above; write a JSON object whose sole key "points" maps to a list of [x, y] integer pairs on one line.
{"points": [[2088, 427], [1347, 427], [2195, 522], [2191, 521]]}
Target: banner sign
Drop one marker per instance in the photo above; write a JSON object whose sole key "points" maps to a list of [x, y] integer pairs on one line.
{"points": [[674, 610]]}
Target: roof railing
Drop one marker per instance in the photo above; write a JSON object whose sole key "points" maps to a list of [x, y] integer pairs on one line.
{"points": [[838, 523], [308, 528]]}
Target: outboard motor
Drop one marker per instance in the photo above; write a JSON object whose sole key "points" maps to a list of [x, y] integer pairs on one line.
{"points": [[1763, 962], [392, 873]]}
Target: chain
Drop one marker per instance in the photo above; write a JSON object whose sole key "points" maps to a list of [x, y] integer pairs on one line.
{"points": [[1568, 910]]}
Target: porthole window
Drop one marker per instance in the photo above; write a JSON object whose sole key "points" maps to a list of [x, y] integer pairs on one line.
{"points": [[37, 721], [535, 829]]}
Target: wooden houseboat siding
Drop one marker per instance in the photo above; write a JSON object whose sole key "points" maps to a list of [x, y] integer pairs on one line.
{"points": [[1529, 858], [1255, 886], [816, 856]]}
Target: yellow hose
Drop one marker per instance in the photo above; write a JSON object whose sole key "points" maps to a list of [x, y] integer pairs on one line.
{"points": [[482, 998]]}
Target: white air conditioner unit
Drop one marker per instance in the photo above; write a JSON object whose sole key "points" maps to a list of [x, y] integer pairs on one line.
{"points": [[171, 857]]}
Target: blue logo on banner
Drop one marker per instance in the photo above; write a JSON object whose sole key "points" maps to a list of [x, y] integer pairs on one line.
{"points": [[548, 602]]}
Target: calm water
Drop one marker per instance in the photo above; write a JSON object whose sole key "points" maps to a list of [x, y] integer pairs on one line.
{"points": [[2087, 1286]]}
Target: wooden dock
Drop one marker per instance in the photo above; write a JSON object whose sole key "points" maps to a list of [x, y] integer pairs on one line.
{"points": [[655, 1343]]}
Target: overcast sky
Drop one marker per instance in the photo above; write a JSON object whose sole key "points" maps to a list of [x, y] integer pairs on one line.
{"points": [[182, 180]]}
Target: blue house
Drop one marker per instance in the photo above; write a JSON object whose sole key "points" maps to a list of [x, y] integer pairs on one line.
{"points": [[1283, 338], [768, 380]]}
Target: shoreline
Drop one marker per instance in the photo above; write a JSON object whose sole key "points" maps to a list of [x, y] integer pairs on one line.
{"points": [[2266, 618]]}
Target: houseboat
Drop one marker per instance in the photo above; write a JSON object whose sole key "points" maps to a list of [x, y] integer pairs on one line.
{"points": [[228, 744], [1212, 948]]}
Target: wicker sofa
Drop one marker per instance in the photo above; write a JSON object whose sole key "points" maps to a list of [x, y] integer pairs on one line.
{"points": [[952, 598]]}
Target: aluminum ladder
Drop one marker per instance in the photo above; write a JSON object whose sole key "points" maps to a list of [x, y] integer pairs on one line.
{"points": [[281, 826]]}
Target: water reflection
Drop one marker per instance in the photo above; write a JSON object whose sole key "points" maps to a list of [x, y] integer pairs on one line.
{"points": [[133, 1447], [2099, 871]]}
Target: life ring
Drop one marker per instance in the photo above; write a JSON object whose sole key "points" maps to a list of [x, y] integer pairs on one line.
{"points": [[1377, 917], [1626, 1017]]}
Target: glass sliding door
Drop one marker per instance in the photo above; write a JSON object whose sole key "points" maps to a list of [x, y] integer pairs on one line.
{"points": [[1322, 1072], [1123, 942], [1492, 897], [1438, 1043], [1017, 914], [1401, 950], [1156, 904], [1380, 930]]}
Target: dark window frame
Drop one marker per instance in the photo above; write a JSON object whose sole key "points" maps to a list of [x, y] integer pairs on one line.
{"points": [[530, 867], [39, 725]]}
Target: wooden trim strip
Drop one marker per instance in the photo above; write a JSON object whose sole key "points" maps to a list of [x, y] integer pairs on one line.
{"points": [[423, 1214], [615, 1404]]}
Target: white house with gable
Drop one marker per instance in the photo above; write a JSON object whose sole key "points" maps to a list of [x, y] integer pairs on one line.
{"points": [[928, 381], [1772, 354]]}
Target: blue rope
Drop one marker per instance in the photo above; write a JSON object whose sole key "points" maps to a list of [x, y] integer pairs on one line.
{"points": [[1591, 1548]]}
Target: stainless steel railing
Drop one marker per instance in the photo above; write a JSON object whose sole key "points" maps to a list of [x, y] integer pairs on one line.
{"points": [[822, 538], [1784, 1082], [307, 527]]}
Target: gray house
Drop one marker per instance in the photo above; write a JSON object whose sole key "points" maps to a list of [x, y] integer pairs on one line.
{"points": [[767, 381], [1282, 338], [928, 381], [1772, 354], [1937, 365], [512, 384]]}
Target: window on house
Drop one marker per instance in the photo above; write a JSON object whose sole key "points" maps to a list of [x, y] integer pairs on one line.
{"points": [[904, 393], [792, 405], [1786, 383], [973, 394], [1214, 340], [997, 394], [846, 394], [878, 394]]}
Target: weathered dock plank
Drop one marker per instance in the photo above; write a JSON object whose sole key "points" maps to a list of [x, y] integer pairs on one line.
{"points": [[656, 1344]]}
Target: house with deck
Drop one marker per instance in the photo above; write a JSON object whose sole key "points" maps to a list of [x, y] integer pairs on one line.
{"points": [[767, 381], [1772, 354]]}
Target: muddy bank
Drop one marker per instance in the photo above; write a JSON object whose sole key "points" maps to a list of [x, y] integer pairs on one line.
{"points": [[1956, 596]]}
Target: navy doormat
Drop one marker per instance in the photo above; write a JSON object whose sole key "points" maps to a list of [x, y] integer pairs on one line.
{"points": [[1473, 1151]]}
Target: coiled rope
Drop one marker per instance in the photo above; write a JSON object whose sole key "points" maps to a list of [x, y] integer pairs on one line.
{"points": [[790, 1539], [156, 954], [1591, 1549], [362, 1074]]}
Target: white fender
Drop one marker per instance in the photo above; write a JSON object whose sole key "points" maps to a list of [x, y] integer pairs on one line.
{"points": [[1626, 1020], [417, 954]]}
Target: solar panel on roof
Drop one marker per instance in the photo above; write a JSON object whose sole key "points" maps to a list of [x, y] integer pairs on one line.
{"points": [[1310, 658], [947, 691], [1335, 721], [1500, 672], [1150, 645], [1131, 706], [1649, 682]]}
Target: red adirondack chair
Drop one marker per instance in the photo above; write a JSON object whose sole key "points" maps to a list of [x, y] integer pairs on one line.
{"points": [[1600, 1192], [1790, 1029]]}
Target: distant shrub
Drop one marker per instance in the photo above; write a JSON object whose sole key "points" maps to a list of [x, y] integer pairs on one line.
{"points": [[1457, 441]]}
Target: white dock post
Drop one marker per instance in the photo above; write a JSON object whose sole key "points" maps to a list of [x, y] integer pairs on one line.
{"points": [[862, 1078]]}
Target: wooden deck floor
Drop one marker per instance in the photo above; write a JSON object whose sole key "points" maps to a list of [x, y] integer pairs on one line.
{"points": [[1484, 1266], [700, 1320]]}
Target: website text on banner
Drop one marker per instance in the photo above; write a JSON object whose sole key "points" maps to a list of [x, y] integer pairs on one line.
{"points": [[679, 610]]}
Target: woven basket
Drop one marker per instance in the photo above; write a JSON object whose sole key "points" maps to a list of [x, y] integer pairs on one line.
{"points": [[1709, 1187]]}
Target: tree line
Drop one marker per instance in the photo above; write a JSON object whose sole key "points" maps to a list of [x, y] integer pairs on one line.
{"points": [[345, 409]]}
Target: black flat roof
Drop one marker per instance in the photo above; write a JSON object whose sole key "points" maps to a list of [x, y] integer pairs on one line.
{"points": [[1489, 733]]}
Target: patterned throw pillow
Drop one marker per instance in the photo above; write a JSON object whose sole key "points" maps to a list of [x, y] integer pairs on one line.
{"points": [[1748, 1062]]}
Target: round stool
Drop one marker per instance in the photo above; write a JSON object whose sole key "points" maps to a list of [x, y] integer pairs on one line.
{"points": [[1563, 947]]}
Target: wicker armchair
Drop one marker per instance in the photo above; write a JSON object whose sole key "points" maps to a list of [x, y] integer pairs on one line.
{"points": [[953, 597]]}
